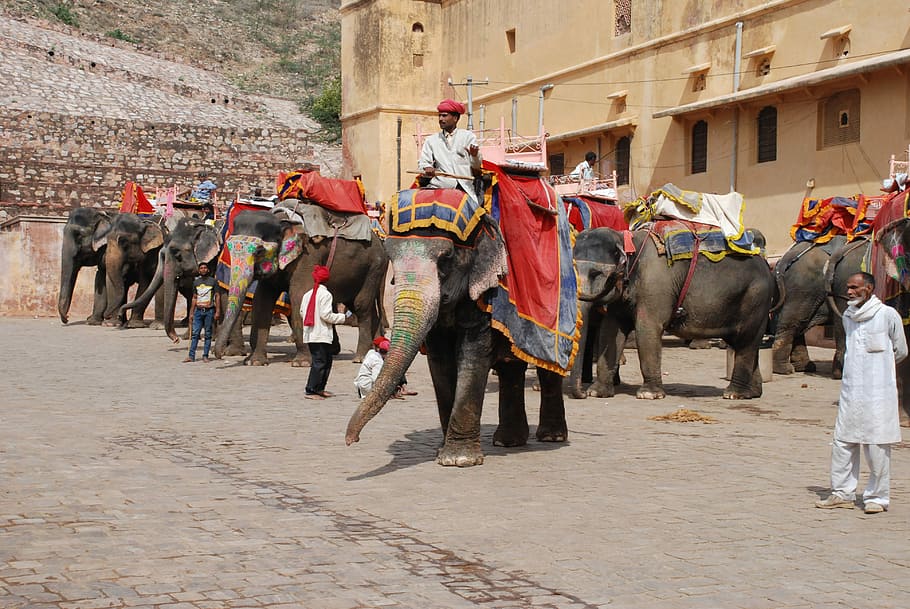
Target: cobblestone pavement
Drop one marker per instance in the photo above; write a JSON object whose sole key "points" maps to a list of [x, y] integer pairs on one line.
{"points": [[128, 479]]}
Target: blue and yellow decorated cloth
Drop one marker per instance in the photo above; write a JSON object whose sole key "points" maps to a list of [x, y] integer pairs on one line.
{"points": [[447, 209], [679, 238]]}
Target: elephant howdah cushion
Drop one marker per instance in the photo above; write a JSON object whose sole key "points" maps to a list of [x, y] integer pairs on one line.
{"points": [[447, 209]]}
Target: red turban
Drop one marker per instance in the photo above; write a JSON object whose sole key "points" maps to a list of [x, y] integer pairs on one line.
{"points": [[382, 343], [320, 275], [450, 105]]}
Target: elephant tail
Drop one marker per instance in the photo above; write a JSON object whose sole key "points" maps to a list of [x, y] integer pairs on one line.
{"points": [[780, 294]]}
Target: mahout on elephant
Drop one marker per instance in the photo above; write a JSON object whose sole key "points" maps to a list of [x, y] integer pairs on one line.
{"points": [[81, 250], [279, 248], [673, 276], [191, 242], [458, 298]]}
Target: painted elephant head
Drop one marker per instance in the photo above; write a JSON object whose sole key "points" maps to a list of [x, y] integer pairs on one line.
{"points": [[131, 242], [80, 249], [261, 246], [894, 242], [433, 275]]}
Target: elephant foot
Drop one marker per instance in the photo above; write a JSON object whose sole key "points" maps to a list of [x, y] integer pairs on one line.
{"points": [[463, 455], [700, 343], [233, 350], [257, 360], [736, 394], [649, 392], [601, 390], [810, 368], [156, 325], [576, 393], [93, 321], [510, 437], [552, 432], [300, 363], [785, 368], [137, 323], [111, 323]]}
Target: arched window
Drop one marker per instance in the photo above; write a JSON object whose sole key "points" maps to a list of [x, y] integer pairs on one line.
{"points": [[767, 134], [623, 158], [417, 27], [700, 147]]}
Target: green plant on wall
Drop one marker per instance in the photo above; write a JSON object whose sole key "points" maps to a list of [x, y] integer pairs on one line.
{"points": [[62, 12], [326, 108], [120, 35]]}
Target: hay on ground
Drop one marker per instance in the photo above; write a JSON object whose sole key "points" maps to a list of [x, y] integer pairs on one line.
{"points": [[684, 415]]}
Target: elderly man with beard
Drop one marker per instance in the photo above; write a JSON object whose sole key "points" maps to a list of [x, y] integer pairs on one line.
{"points": [[867, 412]]}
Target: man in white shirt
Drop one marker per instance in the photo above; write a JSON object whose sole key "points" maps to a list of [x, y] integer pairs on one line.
{"points": [[452, 151], [867, 412], [585, 169]]}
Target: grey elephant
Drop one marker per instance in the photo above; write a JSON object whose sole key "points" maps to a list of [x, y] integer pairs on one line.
{"points": [[728, 299], [438, 281], [190, 243], [131, 257], [802, 271], [80, 250], [279, 252]]}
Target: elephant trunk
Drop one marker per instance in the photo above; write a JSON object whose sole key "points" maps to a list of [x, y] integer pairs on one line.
{"points": [[68, 273], [416, 309], [572, 385], [241, 277], [142, 300]]}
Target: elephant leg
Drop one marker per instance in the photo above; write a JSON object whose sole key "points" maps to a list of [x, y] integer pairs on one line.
{"points": [[295, 320], [158, 322], [261, 324], [364, 310], [903, 390], [470, 369], [799, 355], [614, 340], [100, 299], [745, 381], [782, 350], [572, 385], [551, 426], [840, 346], [513, 417], [649, 334], [443, 372]]}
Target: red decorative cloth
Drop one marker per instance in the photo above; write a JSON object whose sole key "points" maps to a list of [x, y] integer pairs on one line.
{"points": [[343, 196], [320, 275], [450, 105], [134, 200]]}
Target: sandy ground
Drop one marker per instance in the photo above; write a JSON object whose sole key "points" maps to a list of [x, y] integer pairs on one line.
{"points": [[128, 479]]}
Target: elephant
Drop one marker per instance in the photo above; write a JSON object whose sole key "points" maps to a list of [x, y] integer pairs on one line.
{"points": [[437, 282], [80, 250], [190, 243], [802, 270], [280, 254], [729, 299], [131, 256]]}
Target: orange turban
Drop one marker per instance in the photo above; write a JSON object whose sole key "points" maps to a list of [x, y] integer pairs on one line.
{"points": [[450, 105]]}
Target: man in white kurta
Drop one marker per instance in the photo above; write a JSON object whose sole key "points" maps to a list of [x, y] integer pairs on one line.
{"points": [[453, 151], [867, 413]]}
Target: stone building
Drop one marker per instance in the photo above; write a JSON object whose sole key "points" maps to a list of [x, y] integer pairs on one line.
{"points": [[772, 98]]}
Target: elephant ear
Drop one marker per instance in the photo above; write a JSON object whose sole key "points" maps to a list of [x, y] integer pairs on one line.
{"points": [[207, 244], [152, 237], [292, 236], [99, 235], [490, 263]]}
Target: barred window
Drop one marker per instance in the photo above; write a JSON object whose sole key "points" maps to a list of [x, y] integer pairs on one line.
{"points": [[767, 134], [622, 14], [557, 164], [700, 147], [839, 119], [623, 158]]}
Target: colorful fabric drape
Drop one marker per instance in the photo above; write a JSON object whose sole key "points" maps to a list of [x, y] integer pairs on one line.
{"points": [[887, 287], [447, 209], [134, 201], [345, 196], [678, 238], [820, 219], [536, 305], [586, 212]]}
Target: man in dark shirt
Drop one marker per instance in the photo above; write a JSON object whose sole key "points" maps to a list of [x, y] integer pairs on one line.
{"points": [[204, 308]]}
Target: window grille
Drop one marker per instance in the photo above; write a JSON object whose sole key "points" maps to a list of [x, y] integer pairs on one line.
{"points": [[700, 147], [839, 117], [622, 11], [767, 134], [623, 158]]}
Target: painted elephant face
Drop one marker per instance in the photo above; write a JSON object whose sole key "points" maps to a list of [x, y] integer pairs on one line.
{"points": [[895, 243], [248, 251]]}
